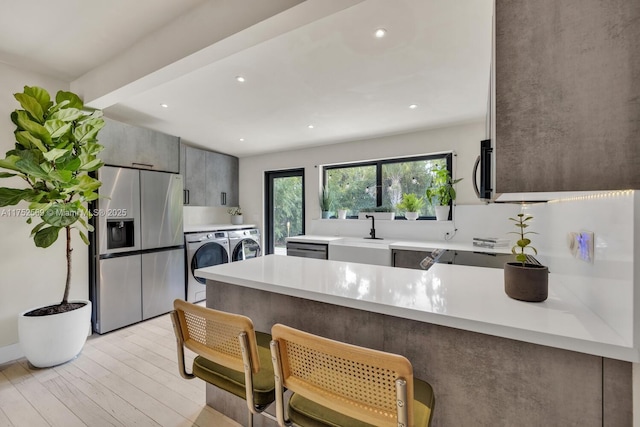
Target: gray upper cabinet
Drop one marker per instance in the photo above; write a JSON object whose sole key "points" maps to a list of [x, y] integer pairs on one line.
{"points": [[567, 91], [132, 146], [211, 179]]}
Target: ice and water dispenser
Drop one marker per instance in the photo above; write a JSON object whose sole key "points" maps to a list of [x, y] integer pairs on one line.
{"points": [[120, 233]]}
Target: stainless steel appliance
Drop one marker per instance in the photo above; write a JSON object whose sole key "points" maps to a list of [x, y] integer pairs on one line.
{"points": [[470, 258], [244, 244], [204, 250], [307, 250], [137, 262]]}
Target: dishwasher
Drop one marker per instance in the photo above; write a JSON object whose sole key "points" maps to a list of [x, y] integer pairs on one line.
{"points": [[307, 250]]}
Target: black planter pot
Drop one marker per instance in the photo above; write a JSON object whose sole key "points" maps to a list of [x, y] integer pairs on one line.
{"points": [[526, 283]]}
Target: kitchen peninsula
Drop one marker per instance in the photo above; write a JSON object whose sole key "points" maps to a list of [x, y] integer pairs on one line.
{"points": [[490, 359]]}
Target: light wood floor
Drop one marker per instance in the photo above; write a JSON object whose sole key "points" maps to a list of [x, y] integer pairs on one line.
{"points": [[124, 378]]}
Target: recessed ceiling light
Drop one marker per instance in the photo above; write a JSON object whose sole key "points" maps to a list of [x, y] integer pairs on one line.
{"points": [[241, 139], [380, 33], [413, 106], [240, 79], [310, 126], [164, 105]]}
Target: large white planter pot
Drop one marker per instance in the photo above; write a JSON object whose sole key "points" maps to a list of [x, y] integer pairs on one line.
{"points": [[442, 213], [54, 339], [411, 216], [236, 219]]}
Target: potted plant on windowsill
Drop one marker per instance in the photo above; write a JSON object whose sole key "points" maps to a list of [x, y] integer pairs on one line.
{"points": [[55, 149], [326, 202], [441, 192], [522, 280], [236, 215], [411, 204]]}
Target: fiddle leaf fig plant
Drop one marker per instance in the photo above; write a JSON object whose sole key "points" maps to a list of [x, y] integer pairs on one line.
{"points": [[441, 192], [55, 149], [523, 242]]}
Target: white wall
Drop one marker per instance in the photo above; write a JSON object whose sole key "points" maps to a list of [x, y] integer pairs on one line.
{"points": [[463, 139], [29, 276]]}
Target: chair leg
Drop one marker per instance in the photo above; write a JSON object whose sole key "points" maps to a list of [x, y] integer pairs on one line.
{"points": [[250, 419]]}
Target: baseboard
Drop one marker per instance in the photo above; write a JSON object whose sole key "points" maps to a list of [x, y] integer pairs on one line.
{"points": [[10, 352]]}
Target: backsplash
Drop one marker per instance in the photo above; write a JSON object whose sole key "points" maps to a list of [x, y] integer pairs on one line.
{"points": [[605, 285], [199, 215]]}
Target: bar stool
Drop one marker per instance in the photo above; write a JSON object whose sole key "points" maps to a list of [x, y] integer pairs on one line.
{"points": [[231, 355], [339, 384]]}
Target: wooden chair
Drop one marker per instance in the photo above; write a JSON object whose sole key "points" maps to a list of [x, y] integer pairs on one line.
{"points": [[231, 355], [339, 384]]}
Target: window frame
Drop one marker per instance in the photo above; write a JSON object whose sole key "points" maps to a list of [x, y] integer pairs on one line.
{"points": [[447, 156]]}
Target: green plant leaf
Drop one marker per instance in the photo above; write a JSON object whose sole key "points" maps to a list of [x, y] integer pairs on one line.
{"points": [[46, 236], [57, 107], [37, 228], [61, 175], [57, 128], [40, 95], [85, 132], [7, 174], [29, 167], [67, 114], [93, 165], [61, 215], [523, 242], [31, 105], [10, 163], [84, 237], [13, 196], [28, 141], [72, 164], [55, 154], [74, 100], [34, 128]]}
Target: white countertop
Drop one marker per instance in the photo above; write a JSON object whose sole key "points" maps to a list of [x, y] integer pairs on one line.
{"points": [[313, 239], [469, 298], [215, 227]]}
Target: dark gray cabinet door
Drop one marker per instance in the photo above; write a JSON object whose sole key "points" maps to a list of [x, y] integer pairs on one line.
{"points": [[195, 182], [567, 90], [409, 259], [210, 179], [132, 146], [222, 180]]}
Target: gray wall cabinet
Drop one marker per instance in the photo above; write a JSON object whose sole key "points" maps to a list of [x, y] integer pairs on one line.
{"points": [[131, 146], [211, 179], [567, 95]]}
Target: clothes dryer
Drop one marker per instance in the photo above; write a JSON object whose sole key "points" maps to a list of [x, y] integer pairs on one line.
{"points": [[204, 250], [244, 244]]}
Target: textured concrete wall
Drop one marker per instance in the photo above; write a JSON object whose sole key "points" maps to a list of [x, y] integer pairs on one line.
{"points": [[479, 380], [567, 95]]}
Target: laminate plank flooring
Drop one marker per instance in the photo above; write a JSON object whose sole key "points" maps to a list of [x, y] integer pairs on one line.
{"points": [[124, 378]]}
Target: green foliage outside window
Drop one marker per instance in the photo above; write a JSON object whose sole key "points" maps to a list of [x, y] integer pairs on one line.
{"points": [[354, 186], [287, 217]]}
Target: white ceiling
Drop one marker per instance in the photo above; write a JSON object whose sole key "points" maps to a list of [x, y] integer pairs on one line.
{"points": [[306, 63]]}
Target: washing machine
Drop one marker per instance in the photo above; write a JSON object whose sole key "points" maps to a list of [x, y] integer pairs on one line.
{"points": [[204, 250], [244, 244]]}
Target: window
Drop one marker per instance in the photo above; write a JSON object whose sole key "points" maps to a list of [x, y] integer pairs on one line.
{"points": [[379, 185]]}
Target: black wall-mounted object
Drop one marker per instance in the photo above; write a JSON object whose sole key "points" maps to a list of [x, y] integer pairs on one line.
{"points": [[484, 190]]}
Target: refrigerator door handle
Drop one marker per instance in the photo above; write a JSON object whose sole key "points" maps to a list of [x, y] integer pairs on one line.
{"points": [[223, 198], [144, 165], [185, 196]]}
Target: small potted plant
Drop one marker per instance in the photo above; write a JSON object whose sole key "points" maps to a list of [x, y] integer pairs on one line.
{"points": [[342, 213], [326, 202], [441, 192], [236, 215], [411, 204], [524, 280]]}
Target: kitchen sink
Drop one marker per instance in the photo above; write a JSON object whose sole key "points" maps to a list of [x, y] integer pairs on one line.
{"points": [[362, 251]]}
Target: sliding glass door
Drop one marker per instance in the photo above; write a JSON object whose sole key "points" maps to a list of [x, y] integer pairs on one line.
{"points": [[284, 210]]}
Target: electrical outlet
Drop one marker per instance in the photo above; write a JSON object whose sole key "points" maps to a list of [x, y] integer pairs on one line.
{"points": [[581, 245]]}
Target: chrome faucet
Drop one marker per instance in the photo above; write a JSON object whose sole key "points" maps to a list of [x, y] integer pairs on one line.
{"points": [[372, 233]]}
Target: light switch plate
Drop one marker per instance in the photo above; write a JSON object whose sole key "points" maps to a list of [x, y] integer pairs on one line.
{"points": [[581, 245]]}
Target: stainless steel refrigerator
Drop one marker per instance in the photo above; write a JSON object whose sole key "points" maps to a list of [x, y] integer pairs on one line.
{"points": [[138, 259]]}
